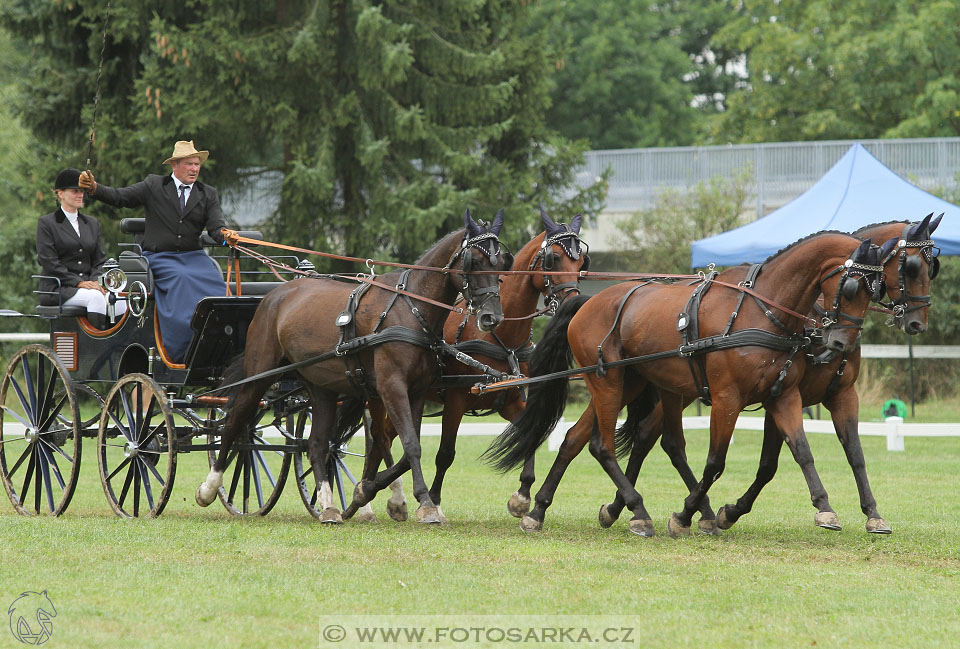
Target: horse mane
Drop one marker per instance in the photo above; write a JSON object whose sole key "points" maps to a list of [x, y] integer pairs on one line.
{"points": [[442, 243], [807, 238], [874, 225]]}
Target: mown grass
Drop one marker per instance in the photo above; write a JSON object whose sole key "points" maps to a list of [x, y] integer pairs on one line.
{"points": [[200, 578]]}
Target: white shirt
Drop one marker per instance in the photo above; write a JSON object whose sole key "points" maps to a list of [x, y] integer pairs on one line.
{"points": [[72, 217], [186, 193]]}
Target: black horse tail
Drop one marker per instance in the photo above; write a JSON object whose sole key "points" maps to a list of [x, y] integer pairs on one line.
{"points": [[638, 411], [349, 420], [546, 399], [231, 374]]}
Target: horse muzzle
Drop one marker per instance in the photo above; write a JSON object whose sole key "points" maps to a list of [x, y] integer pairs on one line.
{"points": [[488, 319]]}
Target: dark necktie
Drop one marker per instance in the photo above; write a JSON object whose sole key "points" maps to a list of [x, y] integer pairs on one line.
{"points": [[183, 198]]}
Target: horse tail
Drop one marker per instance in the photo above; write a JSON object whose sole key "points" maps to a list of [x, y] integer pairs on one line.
{"points": [[349, 420], [546, 399], [232, 374], [637, 412]]}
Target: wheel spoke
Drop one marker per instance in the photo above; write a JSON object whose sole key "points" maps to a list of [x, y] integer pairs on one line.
{"points": [[57, 449], [41, 383], [51, 461], [121, 427], [339, 481], [45, 473], [153, 433], [16, 416], [28, 477], [266, 469], [346, 470], [145, 481], [37, 479], [119, 468], [48, 420], [256, 478], [16, 466], [126, 485], [27, 410], [136, 489], [236, 480], [246, 485], [31, 388], [156, 474], [257, 438], [126, 408]]}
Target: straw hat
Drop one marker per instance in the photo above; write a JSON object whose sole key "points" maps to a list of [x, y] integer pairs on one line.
{"points": [[185, 149]]}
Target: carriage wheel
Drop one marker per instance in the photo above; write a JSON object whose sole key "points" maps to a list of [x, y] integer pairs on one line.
{"points": [[257, 467], [136, 448], [336, 467], [39, 452]]}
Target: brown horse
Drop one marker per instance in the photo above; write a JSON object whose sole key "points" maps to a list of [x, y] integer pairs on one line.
{"points": [[909, 265], [633, 320], [557, 249], [296, 322]]}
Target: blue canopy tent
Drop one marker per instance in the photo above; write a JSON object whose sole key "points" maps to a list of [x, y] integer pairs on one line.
{"points": [[857, 191]]}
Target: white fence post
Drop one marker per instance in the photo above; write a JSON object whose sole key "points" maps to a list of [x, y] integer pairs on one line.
{"points": [[894, 436], [557, 436]]}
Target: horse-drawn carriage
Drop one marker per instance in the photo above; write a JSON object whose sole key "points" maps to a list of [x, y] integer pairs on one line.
{"points": [[119, 386]]}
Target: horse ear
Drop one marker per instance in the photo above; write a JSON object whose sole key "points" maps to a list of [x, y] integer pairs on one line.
{"points": [[888, 247], [472, 228], [497, 222], [576, 223], [919, 227], [864, 249], [548, 223], [934, 223]]}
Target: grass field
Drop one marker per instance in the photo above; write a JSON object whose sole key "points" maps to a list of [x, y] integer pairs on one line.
{"points": [[200, 578]]}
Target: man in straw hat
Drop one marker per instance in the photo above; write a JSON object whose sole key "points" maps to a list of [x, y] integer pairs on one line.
{"points": [[177, 209]]}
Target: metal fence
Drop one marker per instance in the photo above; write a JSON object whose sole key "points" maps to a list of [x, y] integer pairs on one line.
{"points": [[782, 171]]}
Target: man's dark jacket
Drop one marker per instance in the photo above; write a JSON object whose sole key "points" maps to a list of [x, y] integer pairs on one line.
{"points": [[166, 229], [64, 255]]}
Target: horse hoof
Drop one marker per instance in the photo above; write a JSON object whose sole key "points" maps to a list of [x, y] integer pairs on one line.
{"points": [[205, 496], [828, 521], [518, 505], [528, 524], [397, 512], [429, 515], [331, 515], [723, 523], [709, 527], [607, 519], [641, 527], [366, 515], [878, 526], [675, 529]]}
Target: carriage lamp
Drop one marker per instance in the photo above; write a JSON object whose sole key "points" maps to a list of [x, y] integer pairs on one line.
{"points": [[113, 279], [306, 266]]}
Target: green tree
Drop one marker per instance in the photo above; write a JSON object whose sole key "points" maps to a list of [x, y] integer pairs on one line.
{"points": [[821, 69], [635, 73], [658, 240], [386, 118]]}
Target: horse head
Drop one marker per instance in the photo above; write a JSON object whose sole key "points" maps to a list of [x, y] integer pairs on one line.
{"points": [[561, 251], [480, 257], [850, 289], [910, 264]]}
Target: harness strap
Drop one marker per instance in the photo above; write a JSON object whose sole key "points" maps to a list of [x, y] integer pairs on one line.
{"points": [[601, 371], [688, 325]]}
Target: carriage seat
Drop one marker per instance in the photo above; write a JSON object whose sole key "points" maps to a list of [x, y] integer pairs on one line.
{"points": [[56, 311], [137, 268]]}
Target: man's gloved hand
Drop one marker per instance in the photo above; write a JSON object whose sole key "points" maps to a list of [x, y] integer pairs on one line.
{"points": [[229, 237], [87, 182]]}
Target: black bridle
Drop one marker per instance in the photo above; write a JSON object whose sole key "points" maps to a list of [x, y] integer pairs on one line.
{"points": [[853, 273], [488, 244], [927, 251], [573, 247]]}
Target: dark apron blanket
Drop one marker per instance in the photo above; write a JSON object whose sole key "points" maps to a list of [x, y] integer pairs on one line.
{"points": [[180, 281]]}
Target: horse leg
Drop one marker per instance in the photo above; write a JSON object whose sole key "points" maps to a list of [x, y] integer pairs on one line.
{"points": [[674, 445], [453, 409], [324, 406], [608, 399], [519, 503], [577, 437], [723, 418], [787, 412], [844, 410], [769, 457], [376, 449], [242, 410], [406, 414]]}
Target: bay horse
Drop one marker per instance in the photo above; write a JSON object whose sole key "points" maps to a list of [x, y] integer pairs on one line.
{"points": [[633, 320], [558, 249], [909, 265], [297, 322]]}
